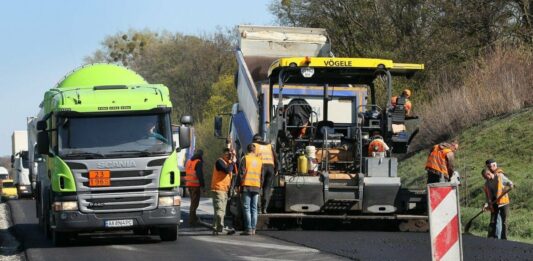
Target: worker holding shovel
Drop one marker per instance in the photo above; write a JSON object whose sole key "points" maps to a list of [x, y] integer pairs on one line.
{"points": [[497, 199]]}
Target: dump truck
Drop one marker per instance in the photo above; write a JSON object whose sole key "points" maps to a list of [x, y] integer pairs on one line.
{"points": [[319, 112], [105, 136], [20, 163]]}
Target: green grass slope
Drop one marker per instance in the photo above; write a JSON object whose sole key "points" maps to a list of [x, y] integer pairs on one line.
{"points": [[507, 139]]}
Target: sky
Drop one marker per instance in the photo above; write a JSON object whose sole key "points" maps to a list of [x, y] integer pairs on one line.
{"points": [[42, 41]]}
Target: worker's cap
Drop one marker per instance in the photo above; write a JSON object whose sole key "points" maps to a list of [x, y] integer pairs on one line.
{"points": [[407, 92], [489, 161], [199, 153]]}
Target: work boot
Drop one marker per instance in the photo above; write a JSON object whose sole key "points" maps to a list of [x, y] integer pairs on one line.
{"points": [[229, 231], [247, 232]]}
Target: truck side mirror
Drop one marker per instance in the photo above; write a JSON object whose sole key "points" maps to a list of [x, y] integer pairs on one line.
{"points": [[218, 126], [41, 125], [185, 137], [186, 119], [43, 143]]}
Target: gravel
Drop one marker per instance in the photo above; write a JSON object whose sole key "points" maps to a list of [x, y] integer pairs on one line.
{"points": [[9, 245]]}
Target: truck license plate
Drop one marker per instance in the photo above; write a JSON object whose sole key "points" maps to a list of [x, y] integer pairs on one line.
{"points": [[119, 223]]}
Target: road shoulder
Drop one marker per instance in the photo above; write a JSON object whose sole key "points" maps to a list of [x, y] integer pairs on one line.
{"points": [[9, 245]]}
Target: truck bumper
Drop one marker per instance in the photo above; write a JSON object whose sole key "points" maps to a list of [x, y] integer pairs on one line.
{"points": [[76, 221]]}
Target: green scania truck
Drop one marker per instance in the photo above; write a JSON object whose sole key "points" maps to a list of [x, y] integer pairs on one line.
{"points": [[109, 159]]}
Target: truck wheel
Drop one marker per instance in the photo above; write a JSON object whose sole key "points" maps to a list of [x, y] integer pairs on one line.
{"points": [[46, 225], [60, 238], [168, 233]]}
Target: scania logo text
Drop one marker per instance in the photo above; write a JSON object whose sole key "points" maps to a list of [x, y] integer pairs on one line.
{"points": [[116, 164]]}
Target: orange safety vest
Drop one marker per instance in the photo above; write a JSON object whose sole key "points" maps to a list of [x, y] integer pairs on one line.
{"points": [[252, 173], [265, 153], [191, 180], [437, 160], [376, 146], [220, 181], [503, 200], [407, 104]]}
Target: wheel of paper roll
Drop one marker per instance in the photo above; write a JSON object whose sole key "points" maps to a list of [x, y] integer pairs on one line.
{"points": [[415, 225]]}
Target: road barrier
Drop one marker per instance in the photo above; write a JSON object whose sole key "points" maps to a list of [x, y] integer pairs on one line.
{"points": [[444, 222]]}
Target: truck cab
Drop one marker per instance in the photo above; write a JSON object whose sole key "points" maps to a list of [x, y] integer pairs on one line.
{"points": [[21, 174], [107, 141]]}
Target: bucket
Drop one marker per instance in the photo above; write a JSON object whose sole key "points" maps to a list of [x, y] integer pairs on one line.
{"points": [[312, 164]]}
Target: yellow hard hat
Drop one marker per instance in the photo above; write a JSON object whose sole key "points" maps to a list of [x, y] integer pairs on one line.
{"points": [[407, 92]]}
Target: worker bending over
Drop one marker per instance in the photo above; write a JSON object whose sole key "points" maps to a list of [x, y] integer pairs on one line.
{"points": [[440, 162], [377, 147]]}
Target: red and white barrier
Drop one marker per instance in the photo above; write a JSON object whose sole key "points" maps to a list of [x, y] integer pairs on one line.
{"points": [[444, 222]]}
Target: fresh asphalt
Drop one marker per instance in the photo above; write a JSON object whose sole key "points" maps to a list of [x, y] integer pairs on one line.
{"points": [[193, 243], [198, 244]]}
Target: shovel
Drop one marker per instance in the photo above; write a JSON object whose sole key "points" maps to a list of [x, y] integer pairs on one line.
{"points": [[469, 224]]}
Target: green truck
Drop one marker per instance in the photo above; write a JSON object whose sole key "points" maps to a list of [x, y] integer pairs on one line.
{"points": [[109, 159]]}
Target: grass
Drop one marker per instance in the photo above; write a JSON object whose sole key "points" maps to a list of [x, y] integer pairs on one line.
{"points": [[509, 140]]}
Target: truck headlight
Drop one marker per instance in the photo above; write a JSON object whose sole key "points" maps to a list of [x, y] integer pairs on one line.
{"points": [[23, 188], [169, 201], [65, 206]]}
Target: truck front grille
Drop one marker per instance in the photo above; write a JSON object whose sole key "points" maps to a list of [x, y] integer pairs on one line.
{"points": [[131, 189], [118, 202]]}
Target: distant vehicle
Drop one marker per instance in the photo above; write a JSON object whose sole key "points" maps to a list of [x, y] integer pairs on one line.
{"points": [[20, 165], [4, 174], [35, 160], [8, 189]]}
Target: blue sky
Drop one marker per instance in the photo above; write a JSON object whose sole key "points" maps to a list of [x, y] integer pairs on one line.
{"points": [[41, 41]]}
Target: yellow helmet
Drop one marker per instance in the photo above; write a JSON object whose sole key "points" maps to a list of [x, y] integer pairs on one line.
{"points": [[407, 92]]}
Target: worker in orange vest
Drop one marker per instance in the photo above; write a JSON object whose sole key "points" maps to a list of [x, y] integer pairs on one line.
{"points": [[377, 147], [266, 152], [250, 181], [440, 162], [403, 99], [495, 181], [194, 181], [220, 185]]}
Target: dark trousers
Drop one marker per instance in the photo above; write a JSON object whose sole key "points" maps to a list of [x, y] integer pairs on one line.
{"points": [[194, 193], [496, 225], [436, 177], [267, 176]]}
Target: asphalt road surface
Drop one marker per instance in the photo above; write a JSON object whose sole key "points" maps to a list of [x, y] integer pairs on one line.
{"points": [[199, 244], [192, 244]]}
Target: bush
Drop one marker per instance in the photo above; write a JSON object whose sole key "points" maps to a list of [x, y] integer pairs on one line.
{"points": [[497, 84]]}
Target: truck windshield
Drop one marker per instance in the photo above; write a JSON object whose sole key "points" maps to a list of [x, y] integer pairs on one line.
{"points": [[114, 136]]}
